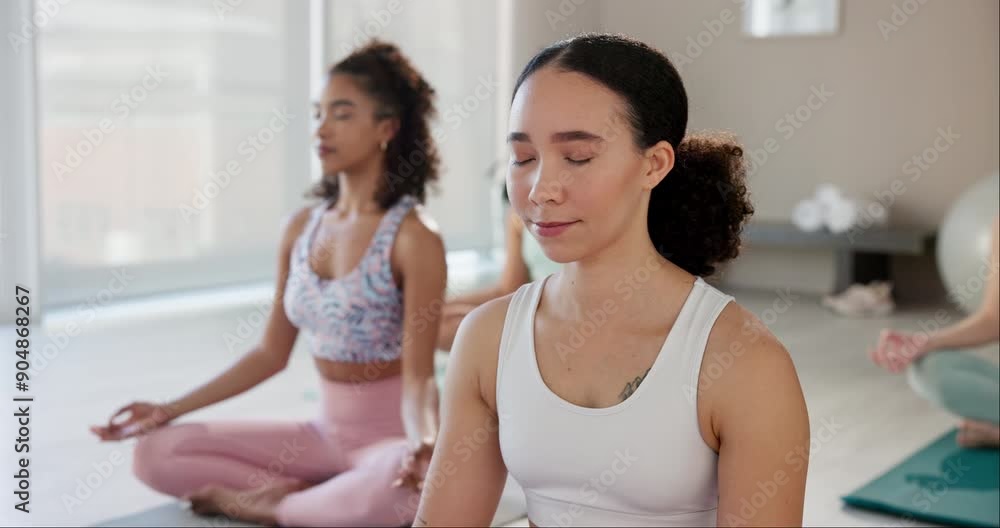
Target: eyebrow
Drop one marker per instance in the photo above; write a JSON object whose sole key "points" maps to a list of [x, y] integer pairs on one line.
{"points": [[336, 103], [558, 137]]}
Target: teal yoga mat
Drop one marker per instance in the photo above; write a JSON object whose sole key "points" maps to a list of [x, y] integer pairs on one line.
{"points": [[941, 483]]}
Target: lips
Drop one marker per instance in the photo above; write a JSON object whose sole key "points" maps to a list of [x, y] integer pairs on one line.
{"points": [[551, 229], [324, 151]]}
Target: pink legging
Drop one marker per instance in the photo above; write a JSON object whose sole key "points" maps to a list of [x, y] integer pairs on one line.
{"points": [[352, 453]]}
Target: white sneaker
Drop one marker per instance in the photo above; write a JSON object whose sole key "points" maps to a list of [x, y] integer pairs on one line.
{"points": [[859, 300]]}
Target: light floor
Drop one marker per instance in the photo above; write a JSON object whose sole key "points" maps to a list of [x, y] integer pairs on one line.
{"points": [[875, 421]]}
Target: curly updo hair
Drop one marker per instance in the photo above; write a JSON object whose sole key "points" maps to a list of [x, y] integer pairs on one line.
{"points": [[411, 157], [697, 212]]}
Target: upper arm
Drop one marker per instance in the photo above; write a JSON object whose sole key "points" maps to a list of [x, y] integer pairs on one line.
{"points": [[420, 254], [759, 414], [280, 333], [467, 474], [515, 271]]}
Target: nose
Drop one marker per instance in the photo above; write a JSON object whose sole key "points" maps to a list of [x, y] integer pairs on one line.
{"points": [[550, 185], [322, 131]]}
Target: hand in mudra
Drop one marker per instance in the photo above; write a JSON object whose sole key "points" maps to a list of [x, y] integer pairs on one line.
{"points": [[142, 418], [414, 467]]}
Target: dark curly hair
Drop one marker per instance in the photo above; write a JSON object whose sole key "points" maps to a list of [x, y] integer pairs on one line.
{"points": [[697, 212], [411, 158]]}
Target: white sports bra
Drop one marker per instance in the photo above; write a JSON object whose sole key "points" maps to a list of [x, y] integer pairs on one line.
{"points": [[642, 462]]}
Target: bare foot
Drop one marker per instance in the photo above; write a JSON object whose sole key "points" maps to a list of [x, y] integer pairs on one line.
{"points": [[978, 434], [255, 505]]}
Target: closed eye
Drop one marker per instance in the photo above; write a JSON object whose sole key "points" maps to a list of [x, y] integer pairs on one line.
{"points": [[519, 163], [579, 161]]}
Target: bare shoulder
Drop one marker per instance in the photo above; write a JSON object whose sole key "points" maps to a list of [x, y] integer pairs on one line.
{"points": [[418, 231], [739, 332], [744, 364], [419, 251], [293, 225], [477, 345]]}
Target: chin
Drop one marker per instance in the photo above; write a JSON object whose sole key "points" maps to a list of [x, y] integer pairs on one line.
{"points": [[560, 255], [571, 250], [331, 169]]}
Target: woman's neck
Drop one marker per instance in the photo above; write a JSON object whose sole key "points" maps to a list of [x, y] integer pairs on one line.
{"points": [[629, 271], [357, 188]]}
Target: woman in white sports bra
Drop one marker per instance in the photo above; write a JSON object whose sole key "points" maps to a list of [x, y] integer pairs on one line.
{"points": [[623, 390]]}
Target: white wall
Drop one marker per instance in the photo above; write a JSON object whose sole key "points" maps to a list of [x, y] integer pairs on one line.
{"points": [[538, 23], [938, 70]]}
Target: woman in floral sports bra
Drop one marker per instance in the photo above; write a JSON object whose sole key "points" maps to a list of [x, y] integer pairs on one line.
{"points": [[359, 274]]}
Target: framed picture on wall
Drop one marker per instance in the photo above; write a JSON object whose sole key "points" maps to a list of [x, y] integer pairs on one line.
{"points": [[791, 18]]}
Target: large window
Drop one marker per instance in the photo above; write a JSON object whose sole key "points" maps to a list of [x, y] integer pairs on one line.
{"points": [[456, 45], [174, 138], [175, 135]]}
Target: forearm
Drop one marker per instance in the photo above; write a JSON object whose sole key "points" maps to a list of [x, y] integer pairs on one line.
{"points": [[252, 369], [420, 410], [978, 329]]}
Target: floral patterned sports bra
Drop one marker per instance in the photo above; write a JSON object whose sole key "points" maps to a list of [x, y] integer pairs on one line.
{"points": [[358, 317]]}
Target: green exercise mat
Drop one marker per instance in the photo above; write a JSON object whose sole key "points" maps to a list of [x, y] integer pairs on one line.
{"points": [[942, 483]]}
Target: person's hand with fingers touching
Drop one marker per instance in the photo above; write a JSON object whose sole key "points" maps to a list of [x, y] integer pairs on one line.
{"points": [[414, 467], [895, 349], [142, 418]]}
